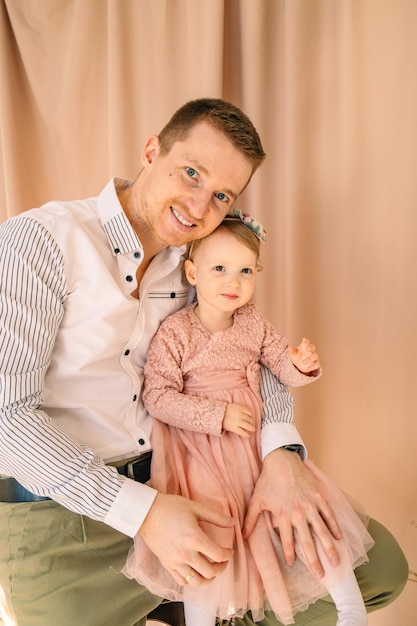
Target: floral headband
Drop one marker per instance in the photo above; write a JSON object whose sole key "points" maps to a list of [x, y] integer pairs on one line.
{"points": [[251, 223]]}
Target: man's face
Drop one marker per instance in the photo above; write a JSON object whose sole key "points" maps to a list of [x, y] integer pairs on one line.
{"points": [[187, 192]]}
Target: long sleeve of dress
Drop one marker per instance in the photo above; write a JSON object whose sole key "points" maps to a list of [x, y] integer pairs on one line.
{"points": [[163, 388], [275, 355], [183, 348]]}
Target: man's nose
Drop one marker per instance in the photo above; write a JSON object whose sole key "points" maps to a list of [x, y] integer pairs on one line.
{"points": [[200, 203]]}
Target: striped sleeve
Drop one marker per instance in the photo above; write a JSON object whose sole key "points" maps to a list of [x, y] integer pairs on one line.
{"points": [[278, 428], [33, 449], [277, 401]]}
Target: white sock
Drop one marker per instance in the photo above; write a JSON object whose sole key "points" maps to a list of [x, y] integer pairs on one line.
{"points": [[349, 602], [341, 583], [196, 616]]}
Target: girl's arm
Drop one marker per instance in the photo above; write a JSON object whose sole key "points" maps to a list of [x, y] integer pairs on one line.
{"points": [[277, 356], [164, 395]]}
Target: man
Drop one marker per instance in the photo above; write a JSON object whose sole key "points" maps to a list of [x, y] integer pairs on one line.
{"points": [[84, 285]]}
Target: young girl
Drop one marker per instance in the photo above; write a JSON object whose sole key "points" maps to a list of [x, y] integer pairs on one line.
{"points": [[202, 387]]}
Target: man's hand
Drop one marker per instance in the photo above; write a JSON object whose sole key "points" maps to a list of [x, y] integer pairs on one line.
{"points": [[292, 494], [172, 532], [238, 419]]}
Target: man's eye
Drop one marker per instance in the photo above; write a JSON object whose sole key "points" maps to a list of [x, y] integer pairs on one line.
{"points": [[222, 196], [191, 172]]}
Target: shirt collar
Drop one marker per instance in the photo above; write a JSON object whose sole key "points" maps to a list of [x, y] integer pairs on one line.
{"points": [[121, 236]]}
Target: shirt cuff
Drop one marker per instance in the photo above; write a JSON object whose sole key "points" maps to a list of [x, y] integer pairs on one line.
{"points": [[278, 434], [130, 507]]}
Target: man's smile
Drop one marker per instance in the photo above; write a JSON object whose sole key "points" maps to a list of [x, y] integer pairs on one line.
{"points": [[181, 219]]}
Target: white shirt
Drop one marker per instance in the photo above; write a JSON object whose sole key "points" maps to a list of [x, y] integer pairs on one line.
{"points": [[73, 346]]}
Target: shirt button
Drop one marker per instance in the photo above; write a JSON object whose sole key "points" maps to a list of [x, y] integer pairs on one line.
{"points": [[134, 398], [172, 294], [117, 251], [129, 278], [137, 255], [141, 442], [127, 352]]}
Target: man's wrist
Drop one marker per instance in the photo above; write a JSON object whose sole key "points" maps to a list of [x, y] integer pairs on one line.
{"points": [[274, 436], [295, 447]]}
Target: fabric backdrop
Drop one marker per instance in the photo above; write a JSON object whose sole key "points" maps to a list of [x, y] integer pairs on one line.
{"points": [[332, 87]]}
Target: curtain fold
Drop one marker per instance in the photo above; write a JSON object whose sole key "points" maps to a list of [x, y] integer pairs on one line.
{"points": [[332, 88]]}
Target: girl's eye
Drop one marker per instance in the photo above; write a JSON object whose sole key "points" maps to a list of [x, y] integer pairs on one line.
{"points": [[222, 196], [219, 268], [191, 172]]}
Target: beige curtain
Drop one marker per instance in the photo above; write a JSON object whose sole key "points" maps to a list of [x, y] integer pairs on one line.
{"points": [[332, 87]]}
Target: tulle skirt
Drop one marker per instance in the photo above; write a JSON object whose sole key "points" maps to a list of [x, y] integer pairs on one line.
{"points": [[221, 472]]}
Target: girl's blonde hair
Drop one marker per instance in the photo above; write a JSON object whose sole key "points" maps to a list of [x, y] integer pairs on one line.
{"points": [[238, 229]]}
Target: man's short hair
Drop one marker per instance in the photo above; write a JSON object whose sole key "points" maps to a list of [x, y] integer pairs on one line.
{"points": [[224, 116]]}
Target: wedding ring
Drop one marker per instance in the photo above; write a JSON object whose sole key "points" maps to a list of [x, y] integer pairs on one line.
{"points": [[190, 575]]}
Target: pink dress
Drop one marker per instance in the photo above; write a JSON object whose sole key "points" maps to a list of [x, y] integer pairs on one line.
{"points": [[192, 457]]}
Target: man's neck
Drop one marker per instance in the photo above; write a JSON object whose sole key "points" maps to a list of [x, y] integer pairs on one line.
{"points": [[128, 198], [127, 194]]}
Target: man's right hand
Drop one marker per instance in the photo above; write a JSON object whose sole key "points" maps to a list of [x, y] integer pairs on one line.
{"points": [[172, 532]]}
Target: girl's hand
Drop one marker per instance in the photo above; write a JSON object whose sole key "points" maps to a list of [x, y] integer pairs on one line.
{"points": [[238, 419], [305, 357]]}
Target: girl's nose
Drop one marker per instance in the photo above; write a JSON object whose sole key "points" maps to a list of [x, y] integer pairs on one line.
{"points": [[233, 280]]}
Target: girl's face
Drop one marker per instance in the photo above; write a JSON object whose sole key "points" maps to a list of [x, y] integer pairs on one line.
{"points": [[223, 271]]}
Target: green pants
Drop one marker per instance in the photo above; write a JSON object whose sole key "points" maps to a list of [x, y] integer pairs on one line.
{"points": [[60, 569]]}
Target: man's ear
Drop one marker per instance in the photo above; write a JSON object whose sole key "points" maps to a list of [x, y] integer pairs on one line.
{"points": [[150, 151], [190, 271]]}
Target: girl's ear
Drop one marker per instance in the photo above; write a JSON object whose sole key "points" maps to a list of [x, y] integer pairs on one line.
{"points": [[190, 271], [150, 151]]}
